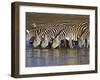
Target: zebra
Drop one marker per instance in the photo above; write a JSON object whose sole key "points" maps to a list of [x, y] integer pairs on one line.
{"points": [[78, 31], [53, 33], [84, 39], [49, 35], [32, 35], [42, 34], [70, 33], [47, 32], [62, 35]]}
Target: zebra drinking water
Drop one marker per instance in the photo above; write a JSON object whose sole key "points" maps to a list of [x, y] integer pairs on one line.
{"points": [[72, 33], [59, 34]]}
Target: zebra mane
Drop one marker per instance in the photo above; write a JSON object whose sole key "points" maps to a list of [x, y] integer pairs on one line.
{"points": [[59, 33]]}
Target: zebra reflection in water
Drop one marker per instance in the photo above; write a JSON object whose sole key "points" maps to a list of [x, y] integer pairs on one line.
{"points": [[58, 35]]}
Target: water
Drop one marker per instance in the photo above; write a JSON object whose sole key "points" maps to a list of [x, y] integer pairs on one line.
{"points": [[56, 57]]}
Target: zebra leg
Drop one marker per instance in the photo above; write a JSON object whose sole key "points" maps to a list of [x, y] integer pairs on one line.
{"points": [[84, 44], [70, 43], [88, 43], [65, 43], [80, 43]]}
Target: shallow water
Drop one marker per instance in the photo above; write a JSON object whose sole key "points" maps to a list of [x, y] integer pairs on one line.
{"points": [[56, 57]]}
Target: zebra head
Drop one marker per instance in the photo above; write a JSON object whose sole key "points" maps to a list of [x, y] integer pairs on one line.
{"points": [[30, 34], [56, 42], [44, 42], [36, 41]]}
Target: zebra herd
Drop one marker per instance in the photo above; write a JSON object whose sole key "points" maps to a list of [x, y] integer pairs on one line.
{"points": [[59, 35]]}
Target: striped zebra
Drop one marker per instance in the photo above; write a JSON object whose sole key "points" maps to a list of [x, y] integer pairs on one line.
{"points": [[71, 33], [50, 34], [42, 34], [84, 40], [61, 36], [32, 35]]}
